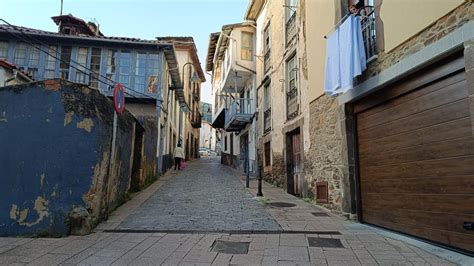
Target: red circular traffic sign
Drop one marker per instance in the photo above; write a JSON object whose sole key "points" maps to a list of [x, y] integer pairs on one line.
{"points": [[119, 98]]}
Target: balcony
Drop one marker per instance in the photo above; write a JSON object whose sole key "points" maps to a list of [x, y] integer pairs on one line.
{"points": [[290, 29], [237, 116], [218, 118], [368, 31], [267, 120]]}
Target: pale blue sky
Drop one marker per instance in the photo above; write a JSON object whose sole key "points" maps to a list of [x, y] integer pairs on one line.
{"points": [[143, 19]]}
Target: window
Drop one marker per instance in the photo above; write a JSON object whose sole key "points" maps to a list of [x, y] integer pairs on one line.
{"points": [[225, 143], [110, 71], [140, 72], [267, 111], [291, 88], [290, 19], [50, 66], [290, 8], [33, 62], [95, 68], [247, 46], [65, 61], [266, 48], [3, 50], [267, 101], [268, 154], [291, 72], [20, 54], [81, 73], [125, 64], [153, 64]]}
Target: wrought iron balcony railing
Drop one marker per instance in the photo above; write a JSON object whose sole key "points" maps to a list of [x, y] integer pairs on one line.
{"points": [[368, 31]]}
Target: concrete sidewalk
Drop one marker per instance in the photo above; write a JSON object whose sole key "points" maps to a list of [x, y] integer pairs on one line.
{"points": [[338, 242]]}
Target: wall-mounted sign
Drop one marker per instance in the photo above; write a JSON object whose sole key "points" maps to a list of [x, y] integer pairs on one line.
{"points": [[119, 98]]}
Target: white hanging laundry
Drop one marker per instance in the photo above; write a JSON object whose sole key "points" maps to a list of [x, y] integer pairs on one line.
{"points": [[345, 56], [332, 79]]}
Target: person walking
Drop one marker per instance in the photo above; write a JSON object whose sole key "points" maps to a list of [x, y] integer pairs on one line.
{"points": [[178, 156]]}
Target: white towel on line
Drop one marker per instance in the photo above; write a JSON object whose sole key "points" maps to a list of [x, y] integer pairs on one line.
{"points": [[345, 56]]}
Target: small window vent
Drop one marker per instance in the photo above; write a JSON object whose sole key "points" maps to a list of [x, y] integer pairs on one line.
{"points": [[322, 192]]}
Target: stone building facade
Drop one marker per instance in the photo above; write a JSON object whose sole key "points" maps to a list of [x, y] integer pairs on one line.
{"points": [[282, 82]]}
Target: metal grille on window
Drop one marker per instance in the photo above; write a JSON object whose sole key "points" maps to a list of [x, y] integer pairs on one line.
{"points": [[368, 30], [292, 89], [95, 68], [81, 72], [65, 61]]}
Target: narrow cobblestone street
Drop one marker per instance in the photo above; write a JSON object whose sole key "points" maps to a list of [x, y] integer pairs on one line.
{"points": [[179, 218], [203, 197]]}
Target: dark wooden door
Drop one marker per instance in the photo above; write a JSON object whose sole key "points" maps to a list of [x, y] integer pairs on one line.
{"points": [[294, 167], [416, 157]]}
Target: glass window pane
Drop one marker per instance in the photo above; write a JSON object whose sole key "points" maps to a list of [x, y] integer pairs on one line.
{"points": [[20, 54], [3, 49], [95, 68], [34, 57], [65, 61]]}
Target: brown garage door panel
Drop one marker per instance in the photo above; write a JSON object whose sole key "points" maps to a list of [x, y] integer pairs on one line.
{"points": [[410, 83], [445, 113], [452, 204], [463, 241], [422, 185], [436, 133], [438, 150], [431, 168], [445, 222], [446, 95]]}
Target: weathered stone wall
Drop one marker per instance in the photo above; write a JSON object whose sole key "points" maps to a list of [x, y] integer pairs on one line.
{"points": [[56, 172], [276, 175], [323, 160], [450, 22]]}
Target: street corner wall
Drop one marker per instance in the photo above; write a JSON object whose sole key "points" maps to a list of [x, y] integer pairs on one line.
{"points": [[56, 139], [324, 159]]}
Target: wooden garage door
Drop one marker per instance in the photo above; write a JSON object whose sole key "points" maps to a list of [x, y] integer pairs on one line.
{"points": [[416, 156]]}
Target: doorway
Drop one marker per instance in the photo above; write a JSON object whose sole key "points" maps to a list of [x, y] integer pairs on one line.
{"points": [[293, 143]]}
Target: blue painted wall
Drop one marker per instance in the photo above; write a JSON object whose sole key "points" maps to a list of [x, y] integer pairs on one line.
{"points": [[55, 143]]}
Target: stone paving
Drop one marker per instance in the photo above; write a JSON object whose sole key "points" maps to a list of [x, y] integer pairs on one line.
{"points": [[206, 196], [361, 245]]}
